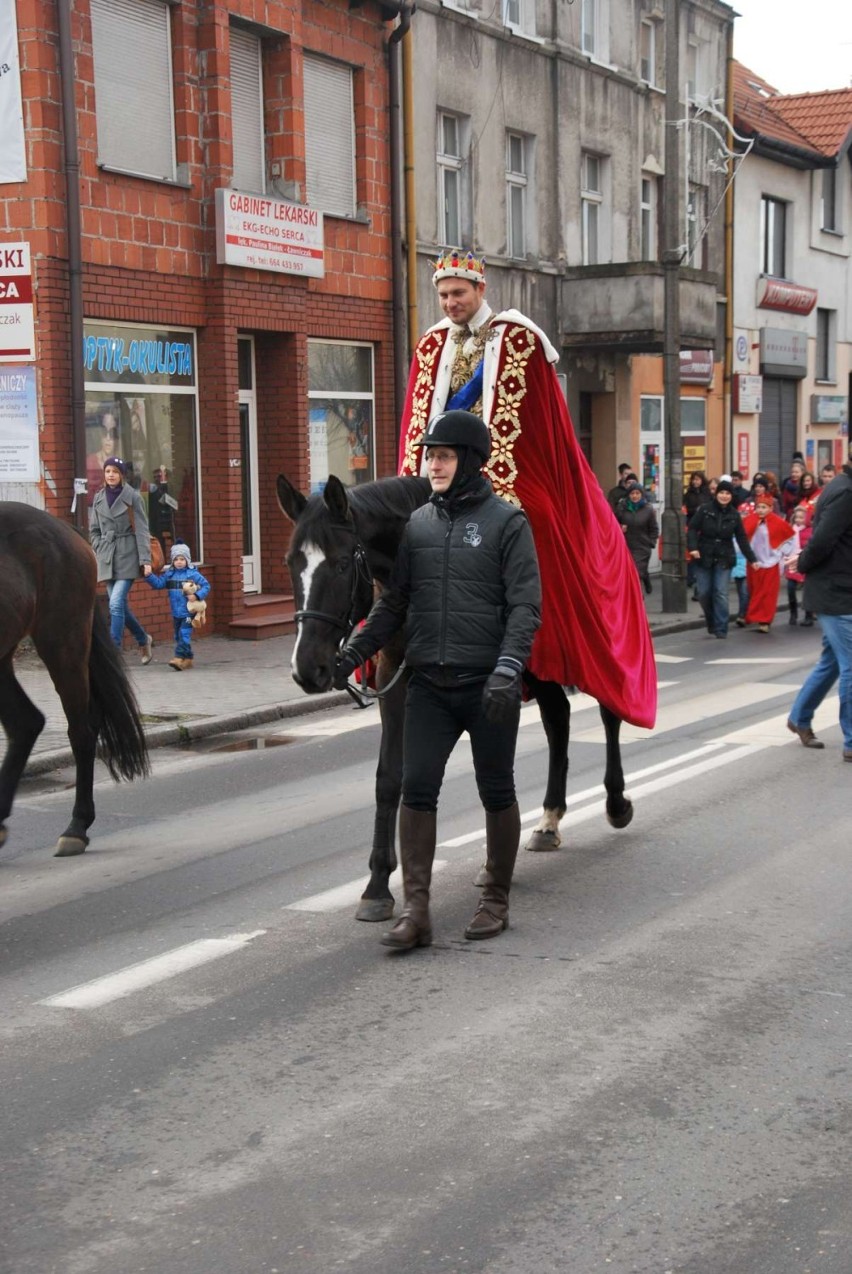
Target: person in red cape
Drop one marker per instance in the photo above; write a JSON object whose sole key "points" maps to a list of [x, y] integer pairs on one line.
{"points": [[773, 541], [594, 632]]}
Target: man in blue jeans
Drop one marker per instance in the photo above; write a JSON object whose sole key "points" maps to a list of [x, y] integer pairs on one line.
{"points": [[826, 563]]}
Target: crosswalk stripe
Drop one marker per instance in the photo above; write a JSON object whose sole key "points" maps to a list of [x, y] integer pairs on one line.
{"points": [[346, 895], [114, 986]]}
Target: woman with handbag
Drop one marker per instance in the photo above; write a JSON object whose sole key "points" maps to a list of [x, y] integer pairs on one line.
{"points": [[119, 535]]}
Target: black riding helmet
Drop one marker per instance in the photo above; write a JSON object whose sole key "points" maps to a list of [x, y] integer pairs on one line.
{"points": [[469, 437]]}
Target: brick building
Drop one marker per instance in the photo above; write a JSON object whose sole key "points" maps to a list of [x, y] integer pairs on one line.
{"points": [[234, 181]]}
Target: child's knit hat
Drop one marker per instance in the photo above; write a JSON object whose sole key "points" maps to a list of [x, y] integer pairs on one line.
{"points": [[180, 550]]}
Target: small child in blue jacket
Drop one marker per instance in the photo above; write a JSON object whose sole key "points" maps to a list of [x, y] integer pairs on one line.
{"points": [[173, 578]]}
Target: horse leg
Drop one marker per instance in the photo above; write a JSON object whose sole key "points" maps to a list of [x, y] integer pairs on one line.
{"points": [[555, 712], [23, 723], [69, 672], [619, 808], [377, 901]]}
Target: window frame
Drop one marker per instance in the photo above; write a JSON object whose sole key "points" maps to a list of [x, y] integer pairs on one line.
{"points": [[450, 164], [323, 395], [772, 210], [236, 184], [315, 196], [649, 26], [517, 180], [525, 23], [591, 205], [828, 206], [106, 103], [648, 219], [825, 349]]}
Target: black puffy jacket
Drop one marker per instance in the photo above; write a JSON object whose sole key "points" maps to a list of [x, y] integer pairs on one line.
{"points": [[826, 559], [465, 583], [712, 531]]}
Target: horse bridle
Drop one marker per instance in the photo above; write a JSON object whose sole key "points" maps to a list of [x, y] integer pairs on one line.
{"points": [[362, 574]]}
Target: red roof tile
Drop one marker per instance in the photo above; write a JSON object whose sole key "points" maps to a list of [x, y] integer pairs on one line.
{"points": [[819, 123]]}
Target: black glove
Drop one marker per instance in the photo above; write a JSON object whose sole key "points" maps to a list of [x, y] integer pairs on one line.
{"points": [[344, 666], [501, 695]]}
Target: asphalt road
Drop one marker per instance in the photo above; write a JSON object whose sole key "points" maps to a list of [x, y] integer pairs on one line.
{"points": [[208, 1065]]}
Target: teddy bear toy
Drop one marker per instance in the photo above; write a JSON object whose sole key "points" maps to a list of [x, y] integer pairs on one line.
{"points": [[196, 608]]}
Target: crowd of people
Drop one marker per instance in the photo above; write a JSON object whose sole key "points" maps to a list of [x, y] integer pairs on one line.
{"points": [[735, 531]]}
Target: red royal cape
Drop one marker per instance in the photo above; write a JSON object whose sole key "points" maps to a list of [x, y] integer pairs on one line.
{"points": [[594, 632], [779, 530]]}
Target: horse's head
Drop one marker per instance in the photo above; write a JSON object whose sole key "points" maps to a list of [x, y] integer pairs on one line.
{"points": [[331, 579]]}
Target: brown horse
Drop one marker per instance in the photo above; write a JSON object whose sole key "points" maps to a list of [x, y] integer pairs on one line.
{"points": [[48, 593]]}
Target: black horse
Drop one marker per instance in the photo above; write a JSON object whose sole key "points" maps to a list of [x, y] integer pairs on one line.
{"points": [[343, 546], [49, 583]]}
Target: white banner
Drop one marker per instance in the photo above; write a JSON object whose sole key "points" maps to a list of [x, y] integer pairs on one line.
{"points": [[13, 155]]}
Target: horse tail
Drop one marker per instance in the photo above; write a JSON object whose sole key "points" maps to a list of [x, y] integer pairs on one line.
{"points": [[114, 710]]}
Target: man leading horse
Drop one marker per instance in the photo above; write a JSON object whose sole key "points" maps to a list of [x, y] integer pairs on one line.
{"points": [[594, 632]]}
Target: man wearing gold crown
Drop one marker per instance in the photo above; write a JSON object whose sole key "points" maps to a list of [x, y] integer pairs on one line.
{"points": [[594, 631]]}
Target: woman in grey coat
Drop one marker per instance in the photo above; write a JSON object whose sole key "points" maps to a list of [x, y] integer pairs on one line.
{"points": [[641, 532], [118, 529]]}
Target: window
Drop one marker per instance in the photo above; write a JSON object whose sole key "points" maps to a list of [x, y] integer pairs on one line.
{"points": [[648, 220], [828, 200], [329, 136], [450, 175], [516, 195], [773, 234], [134, 106], [589, 27], [825, 345], [591, 201], [648, 52], [340, 412], [696, 224], [142, 405], [247, 112], [519, 15], [693, 68], [693, 417]]}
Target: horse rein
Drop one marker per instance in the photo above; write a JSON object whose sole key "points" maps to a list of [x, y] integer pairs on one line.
{"points": [[362, 695]]}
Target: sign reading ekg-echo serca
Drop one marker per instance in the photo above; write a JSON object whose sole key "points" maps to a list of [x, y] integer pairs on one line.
{"points": [[268, 234]]}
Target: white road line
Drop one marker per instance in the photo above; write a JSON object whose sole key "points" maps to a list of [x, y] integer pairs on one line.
{"points": [[673, 659], [690, 712], [346, 895], [113, 986], [757, 659], [596, 791]]}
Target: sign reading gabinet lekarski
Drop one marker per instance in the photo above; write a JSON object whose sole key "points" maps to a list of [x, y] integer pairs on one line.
{"points": [[268, 234], [17, 329]]}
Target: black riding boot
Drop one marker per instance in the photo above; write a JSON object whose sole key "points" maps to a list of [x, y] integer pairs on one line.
{"points": [[417, 836], [502, 834], [794, 612]]}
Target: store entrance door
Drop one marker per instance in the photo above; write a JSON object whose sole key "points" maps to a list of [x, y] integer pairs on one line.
{"points": [[248, 467]]}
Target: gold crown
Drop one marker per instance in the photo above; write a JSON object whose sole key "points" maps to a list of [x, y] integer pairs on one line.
{"points": [[455, 264]]}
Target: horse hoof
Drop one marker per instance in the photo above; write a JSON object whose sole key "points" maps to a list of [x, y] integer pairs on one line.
{"points": [[543, 842], [621, 820], [4, 833], [68, 846], [483, 877], [375, 910]]}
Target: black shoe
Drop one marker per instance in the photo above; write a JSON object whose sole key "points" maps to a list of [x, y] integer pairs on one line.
{"points": [[740, 623], [806, 622], [647, 584], [793, 619]]}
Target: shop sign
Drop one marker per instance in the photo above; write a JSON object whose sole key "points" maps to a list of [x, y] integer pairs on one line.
{"points": [[17, 328], [748, 394], [13, 154], [776, 294], [828, 409], [742, 350], [696, 366], [140, 356], [783, 353], [19, 458], [743, 453], [269, 234]]}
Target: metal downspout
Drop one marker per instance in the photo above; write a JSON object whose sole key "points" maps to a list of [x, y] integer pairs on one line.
{"points": [[75, 258], [728, 382], [408, 168], [400, 344]]}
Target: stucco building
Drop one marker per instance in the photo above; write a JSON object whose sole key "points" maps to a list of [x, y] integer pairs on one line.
{"points": [[793, 271]]}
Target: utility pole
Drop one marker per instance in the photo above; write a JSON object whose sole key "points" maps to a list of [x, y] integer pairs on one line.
{"points": [[674, 546]]}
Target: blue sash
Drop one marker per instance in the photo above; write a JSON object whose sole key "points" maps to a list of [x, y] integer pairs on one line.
{"points": [[463, 399]]}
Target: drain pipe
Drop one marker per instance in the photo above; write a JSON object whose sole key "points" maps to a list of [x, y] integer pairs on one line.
{"points": [[401, 349], [79, 506]]}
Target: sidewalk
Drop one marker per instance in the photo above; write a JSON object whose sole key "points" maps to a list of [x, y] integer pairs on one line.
{"points": [[233, 686]]}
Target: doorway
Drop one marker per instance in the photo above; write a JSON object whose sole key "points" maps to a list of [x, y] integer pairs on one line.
{"points": [[248, 465]]}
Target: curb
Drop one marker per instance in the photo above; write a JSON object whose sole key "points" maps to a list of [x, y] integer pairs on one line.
{"points": [[164, 736]]}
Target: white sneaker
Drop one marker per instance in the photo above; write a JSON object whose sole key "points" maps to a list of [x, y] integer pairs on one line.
{"points": [[147, 650]]}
